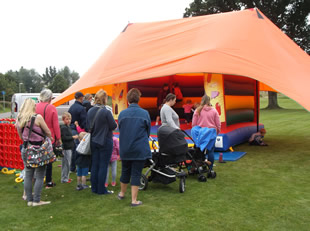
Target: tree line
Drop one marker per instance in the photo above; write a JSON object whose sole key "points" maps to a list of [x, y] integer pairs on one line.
{"points": [[28, 80]]}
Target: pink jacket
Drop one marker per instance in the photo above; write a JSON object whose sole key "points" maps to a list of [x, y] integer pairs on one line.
{"points": [[115, 152], [209, 118], [51, 118]]}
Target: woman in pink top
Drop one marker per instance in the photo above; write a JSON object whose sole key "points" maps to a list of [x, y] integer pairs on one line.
{"points": [[206, 116], [50, 116]]}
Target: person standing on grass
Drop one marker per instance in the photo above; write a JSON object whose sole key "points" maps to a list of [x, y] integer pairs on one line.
{"points": [[78, 113], [101, 141], [39, 129], [82, 164], [134, 127], [207, 116], [50, 116], [68, 143], [113, 163]]}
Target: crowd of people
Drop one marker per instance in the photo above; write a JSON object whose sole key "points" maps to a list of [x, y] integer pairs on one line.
{"points": [[132, 148]]}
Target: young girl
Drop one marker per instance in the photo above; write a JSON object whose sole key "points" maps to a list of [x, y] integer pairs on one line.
{"points": [[113, 163], [188, 111], [82, 163]]}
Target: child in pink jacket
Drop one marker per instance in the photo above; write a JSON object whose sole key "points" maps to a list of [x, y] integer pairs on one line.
{"points": [[113, 163]]}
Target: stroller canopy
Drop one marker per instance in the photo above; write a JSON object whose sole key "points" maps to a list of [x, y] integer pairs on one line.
{"points": [[171, 141]]}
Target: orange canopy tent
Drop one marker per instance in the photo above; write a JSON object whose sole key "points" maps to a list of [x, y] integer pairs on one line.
{"points": [[244, 43]]}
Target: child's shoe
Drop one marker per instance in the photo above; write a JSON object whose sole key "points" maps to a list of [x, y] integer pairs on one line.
{"points": [[50, 185], [79, 187], [113, 184], [85, 186], [106, 185]]}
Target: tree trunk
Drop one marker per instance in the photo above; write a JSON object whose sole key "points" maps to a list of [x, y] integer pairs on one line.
{"points": [[273, 100]]}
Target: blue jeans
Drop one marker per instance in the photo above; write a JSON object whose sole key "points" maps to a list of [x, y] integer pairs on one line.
{"points": [[132, 169], [38, 184], [210, 155], [113, 167], [101, 156]]}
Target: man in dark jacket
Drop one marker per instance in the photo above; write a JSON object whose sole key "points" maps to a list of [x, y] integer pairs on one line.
{"points": [[78, 113]]}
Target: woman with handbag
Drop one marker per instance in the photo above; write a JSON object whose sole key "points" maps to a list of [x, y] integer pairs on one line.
{"points": [[38, 130], [100, 123]]}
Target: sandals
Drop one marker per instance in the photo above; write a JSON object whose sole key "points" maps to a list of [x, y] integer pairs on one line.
{"points": [[136, 204], [120, 197]]}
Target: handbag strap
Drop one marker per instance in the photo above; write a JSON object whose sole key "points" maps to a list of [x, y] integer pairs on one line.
{"points": [[93, 122], [44, 111], [30, 130]]}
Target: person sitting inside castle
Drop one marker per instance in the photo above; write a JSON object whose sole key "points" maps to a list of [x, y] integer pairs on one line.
{"points": [[257, 138]]}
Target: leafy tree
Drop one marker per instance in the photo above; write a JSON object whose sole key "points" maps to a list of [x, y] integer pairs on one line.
{"points": [[49, 75], [69, 76], [291, 16], [31, 80], [59, 84]]}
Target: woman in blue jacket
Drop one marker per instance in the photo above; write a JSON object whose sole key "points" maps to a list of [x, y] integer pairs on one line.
{"points": [[134, 126], [101, 141]]}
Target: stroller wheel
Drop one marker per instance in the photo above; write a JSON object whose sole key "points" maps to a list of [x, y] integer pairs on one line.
{"points": [[202, 178], [182, 184], [211, 174], [143, 182]]}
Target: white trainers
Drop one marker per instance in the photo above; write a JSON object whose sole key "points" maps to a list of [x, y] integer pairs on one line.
{"points": [[29, 203], [40, 203]]}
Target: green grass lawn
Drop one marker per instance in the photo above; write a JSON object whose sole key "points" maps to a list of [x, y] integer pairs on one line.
{"points": [[267, 189]]}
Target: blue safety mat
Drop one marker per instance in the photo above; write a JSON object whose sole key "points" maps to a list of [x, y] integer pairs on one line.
{"points": [[229, 156]]}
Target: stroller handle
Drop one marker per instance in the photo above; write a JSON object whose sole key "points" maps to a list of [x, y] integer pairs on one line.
{"points": [[188, 136]]}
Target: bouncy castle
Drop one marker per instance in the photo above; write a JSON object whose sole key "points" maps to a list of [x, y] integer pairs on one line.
{"points": [[234, 97]]}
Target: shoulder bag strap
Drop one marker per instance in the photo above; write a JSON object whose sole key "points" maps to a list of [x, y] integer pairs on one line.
{"points": [[44, 111], [93, 122], [30, 130]]}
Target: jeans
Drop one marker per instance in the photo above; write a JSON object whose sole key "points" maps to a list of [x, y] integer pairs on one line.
{"points": [[113, 167], [101, 156], [73, 156], [210, 155], [65, 165], [132, 169], [38, 184]]}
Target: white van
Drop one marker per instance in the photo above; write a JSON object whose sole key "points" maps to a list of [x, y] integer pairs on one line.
{"points": [[19, 98]]}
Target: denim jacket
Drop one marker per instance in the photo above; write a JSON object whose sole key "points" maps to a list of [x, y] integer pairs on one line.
{"points": [[134, 126]]}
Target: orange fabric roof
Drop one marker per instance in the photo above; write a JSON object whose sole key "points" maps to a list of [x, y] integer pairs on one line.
{"points": [[244, 43]]}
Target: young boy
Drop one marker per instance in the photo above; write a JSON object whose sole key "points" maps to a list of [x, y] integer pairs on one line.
{"points": [[68, 143], [257, 138], [82, 163]]}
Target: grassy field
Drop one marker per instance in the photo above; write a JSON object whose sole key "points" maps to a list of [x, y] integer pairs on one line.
{"points": [[267, 189]]}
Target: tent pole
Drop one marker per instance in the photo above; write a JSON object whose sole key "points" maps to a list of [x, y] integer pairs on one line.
{"points": [[257, 105]]}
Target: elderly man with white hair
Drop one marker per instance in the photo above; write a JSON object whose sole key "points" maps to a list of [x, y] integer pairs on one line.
{"points": [[49, 113]]}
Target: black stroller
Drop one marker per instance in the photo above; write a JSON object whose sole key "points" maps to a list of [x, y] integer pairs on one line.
{"points": [[195, 163], [164, 163]]}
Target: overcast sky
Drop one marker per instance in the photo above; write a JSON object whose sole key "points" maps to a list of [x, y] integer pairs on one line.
{"points": [[74, 33]]}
